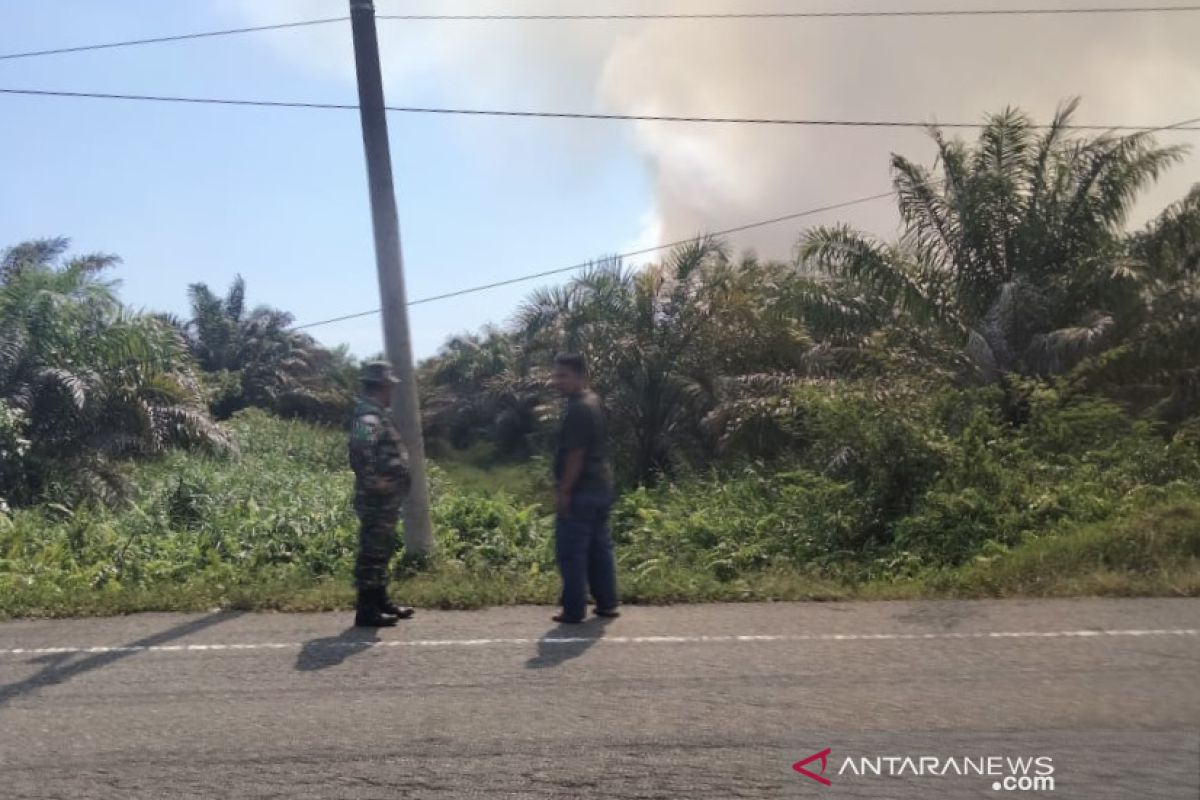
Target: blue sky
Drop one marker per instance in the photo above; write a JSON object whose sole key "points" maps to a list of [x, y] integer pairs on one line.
{"points": [[186, 193], [200, 193]]}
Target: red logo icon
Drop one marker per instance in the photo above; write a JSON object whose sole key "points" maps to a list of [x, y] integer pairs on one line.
{"points": [[820, 778]]}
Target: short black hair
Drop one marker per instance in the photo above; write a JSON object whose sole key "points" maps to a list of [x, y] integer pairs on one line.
{"points": [[573, 362]]}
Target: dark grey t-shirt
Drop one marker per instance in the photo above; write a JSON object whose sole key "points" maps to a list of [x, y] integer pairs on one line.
{"points": [[584, 428]]}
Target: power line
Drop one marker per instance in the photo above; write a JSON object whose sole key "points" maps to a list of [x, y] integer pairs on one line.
{"points": [[178, 38], [194, 100], [816, 123], [985, 12], [584, 265], [565, 114], [912, 14]]}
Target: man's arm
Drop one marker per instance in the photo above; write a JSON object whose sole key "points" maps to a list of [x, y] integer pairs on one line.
{"points": [[572, 469], [579, 433], [364, 456], [400, 475]]}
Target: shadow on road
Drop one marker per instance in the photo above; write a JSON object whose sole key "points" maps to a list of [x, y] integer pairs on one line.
{"points": [[564, 642], [945, 615], [333, 650], [59, 668]]}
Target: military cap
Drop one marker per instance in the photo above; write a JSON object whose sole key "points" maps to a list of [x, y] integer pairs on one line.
{"points": [[378, 373]]}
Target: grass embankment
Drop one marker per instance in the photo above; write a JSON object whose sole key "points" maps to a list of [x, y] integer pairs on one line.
{"points": [[273, 529]]}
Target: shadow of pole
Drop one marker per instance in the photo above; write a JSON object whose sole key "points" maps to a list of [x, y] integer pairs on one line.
{"points": [[59, 668]]}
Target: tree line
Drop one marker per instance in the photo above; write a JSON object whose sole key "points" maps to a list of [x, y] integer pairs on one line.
{"points": [[1013, 264], [1014, 268], [86, 385]]}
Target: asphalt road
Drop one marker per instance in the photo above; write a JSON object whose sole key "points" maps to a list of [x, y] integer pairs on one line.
{"points": [[684, 702]]}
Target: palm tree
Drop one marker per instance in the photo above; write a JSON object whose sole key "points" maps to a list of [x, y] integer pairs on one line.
{"points": [[320, 385], [1016, 251], [660, 342], [84, 383], [678, 350], [480, 386], [258, 360], [1157, 366]]}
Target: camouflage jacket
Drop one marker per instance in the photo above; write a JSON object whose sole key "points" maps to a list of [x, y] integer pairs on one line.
{"points": [[376, 453]]}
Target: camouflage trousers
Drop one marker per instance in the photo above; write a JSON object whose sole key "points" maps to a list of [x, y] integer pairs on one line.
{"points": [[377, 544]]}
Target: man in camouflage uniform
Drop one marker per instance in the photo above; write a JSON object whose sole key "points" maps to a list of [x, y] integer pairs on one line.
{"points": [[382, 481]]}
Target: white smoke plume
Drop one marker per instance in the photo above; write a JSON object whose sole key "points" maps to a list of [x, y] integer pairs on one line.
{"points": [[1129, 70]]}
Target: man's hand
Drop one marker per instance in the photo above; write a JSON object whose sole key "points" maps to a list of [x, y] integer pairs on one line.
{"points": [[564, 504]]}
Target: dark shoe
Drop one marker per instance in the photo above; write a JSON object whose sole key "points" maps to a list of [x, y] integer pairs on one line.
{"points": [[368, 614], [563, 619], [399, 612], [373, 618], [607, 613], [388, 607]]}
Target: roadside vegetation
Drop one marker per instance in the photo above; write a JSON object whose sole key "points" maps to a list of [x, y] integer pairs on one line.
{"points": [[1004, 401]]}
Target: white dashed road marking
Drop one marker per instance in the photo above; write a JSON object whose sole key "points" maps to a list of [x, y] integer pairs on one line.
{"points": [[606, 640]]}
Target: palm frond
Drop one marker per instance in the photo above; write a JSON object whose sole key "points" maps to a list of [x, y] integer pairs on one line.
{"points": [[36, 254], [1004, 146], [74, 385], [1048, 148], [92, 264], [688, 258], [1058, 351], [839, 251], [234, 306], [983, 357], [931, 225]]}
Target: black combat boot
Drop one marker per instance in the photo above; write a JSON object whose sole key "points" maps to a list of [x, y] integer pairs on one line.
{"points": [[368, 614], [388, 607]]}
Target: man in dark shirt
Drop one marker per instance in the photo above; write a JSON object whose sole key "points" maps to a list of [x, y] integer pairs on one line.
{"points": [[584, 485]]}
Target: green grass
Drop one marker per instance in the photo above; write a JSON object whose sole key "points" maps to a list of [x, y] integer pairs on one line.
{"points": [[478, 471], [272, 529], [1152, 552]]}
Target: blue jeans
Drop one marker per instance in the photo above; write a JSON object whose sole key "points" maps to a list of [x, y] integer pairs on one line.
{"points": [[584, 550]]}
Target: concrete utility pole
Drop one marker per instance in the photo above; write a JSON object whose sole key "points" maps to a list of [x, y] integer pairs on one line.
{"points": [[418, 530]]}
